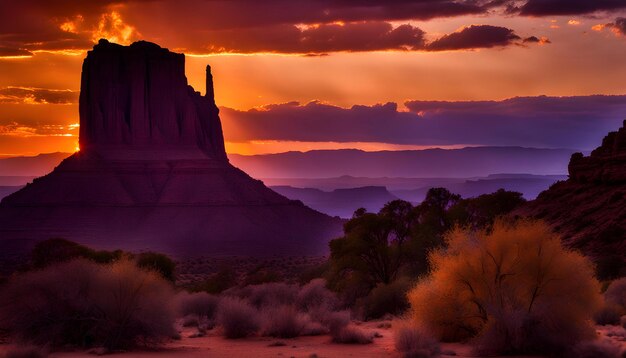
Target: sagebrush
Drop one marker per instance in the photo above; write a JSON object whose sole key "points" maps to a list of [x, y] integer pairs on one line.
{"points": [[86, 304]]}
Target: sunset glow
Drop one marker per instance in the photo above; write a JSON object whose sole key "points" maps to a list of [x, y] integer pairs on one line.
{"points": [[304, 54]]}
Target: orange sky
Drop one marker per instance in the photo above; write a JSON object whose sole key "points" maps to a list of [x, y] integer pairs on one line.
{"points": [[39, 80]]}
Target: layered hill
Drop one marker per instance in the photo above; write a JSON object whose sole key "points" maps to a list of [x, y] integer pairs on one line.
{"points": [[427, 163], [589, 209], [340, 202], [152, 173]]}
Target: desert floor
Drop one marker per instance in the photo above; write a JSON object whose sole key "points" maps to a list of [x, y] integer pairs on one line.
{"points": [[213, 345]]}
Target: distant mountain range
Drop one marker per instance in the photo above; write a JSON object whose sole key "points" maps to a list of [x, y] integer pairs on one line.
{"points": [[318, 177], [30, 166], [342, 195], [428, 163], [339, 202]]}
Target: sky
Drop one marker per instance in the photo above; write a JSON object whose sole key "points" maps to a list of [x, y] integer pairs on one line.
{"points": [[324, 74]]}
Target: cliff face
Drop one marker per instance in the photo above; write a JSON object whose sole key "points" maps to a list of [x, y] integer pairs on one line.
{"points": [[606, 164], [137, 97], [589, 209], [152, 173]]}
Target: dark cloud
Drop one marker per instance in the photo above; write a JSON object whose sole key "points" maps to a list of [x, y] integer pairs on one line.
{"points": [[619, 25], [364, 36], [232, 14], [11, 52], [568, 122], [475, 36], [353, 37], [25, 95], [568, 7], [201, 26], [536, 40]]}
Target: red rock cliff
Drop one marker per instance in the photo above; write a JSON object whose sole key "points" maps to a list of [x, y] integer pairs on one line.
{"points": [[137, 96]]}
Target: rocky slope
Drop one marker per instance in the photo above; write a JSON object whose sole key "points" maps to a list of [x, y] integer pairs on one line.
{"points": [[589, 209], [152, 173]]}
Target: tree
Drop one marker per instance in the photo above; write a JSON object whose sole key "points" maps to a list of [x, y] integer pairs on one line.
{"points": [[481, 211], [514, 287]]}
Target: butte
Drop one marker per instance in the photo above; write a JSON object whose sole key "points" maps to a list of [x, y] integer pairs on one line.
{"points": [[152, 173]]}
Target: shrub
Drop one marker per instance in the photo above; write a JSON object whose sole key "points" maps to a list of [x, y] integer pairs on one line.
{"points": [[284, 322], [271, 294], [313, 329], [333, 321], [351, 335], [200, 304], [191, 321], [157, 262], [515, 288], [595, 349], [608, 314], [414, 342], [53, 251], [314, 295], [262, 275], [616, 294], [224, 279], [237, 318], [386, 299], [85, 304]]}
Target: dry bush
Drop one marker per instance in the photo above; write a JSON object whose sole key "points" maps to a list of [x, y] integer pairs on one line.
{"points": [[414, 342], [191, 321], [616, 294], [595, 349], [270, 294], [313, 329], [351, 335], [515, 288], [386, 299], [315, 295], [332, 320], [608, 314], [86, 304], [273, 294], [200, 304], [237, 318], [284, 322], [337, 323]]}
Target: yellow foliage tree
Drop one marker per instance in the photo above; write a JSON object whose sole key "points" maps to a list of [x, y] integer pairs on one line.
{"points": [[515, 288]]}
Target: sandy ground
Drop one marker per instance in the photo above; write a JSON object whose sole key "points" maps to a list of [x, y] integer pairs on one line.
{"points": [[213, 345]]}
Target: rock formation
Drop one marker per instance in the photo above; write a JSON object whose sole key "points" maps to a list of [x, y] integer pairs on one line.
{"points": [[589, 209], [152, 172], [606, 164]]}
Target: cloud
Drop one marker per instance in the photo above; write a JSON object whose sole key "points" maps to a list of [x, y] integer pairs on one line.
{"points": [[29, 95], [567, 122], [239, 14], [475, 36], [14, 52], [568, 7], [618, 27], [350, 37], [200, 27], [536, 40], [22, 130], [364, 36]]}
